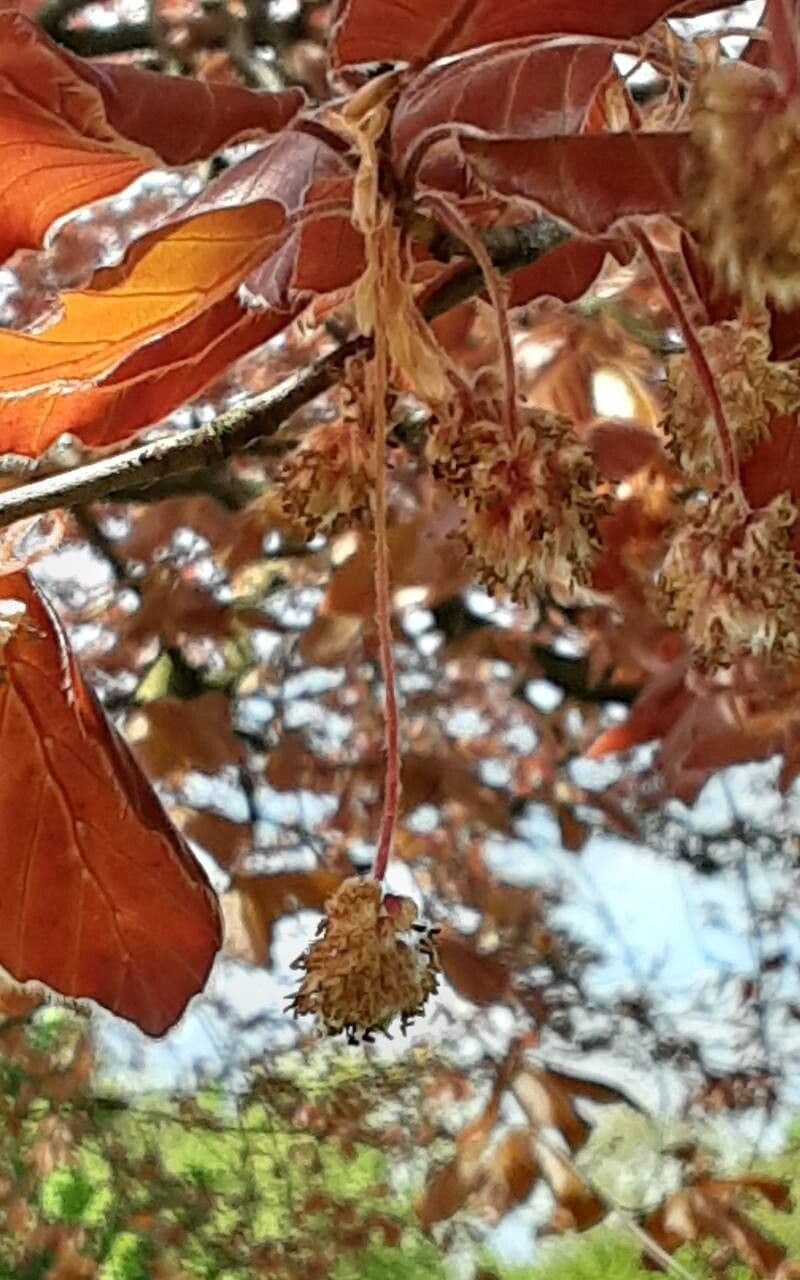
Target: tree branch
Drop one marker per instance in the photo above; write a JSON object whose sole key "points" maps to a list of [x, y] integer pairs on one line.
{"points": [[510, 249], [137, 468]]}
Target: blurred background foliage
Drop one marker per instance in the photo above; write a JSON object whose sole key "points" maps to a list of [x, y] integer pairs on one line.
{"points": [[309, 1169], [612, 1059]]}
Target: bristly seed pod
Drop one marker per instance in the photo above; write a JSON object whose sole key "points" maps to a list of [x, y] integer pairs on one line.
{"points": [[370, 964]]}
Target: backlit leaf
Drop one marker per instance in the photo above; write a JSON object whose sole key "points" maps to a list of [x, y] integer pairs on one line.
{"points": [[74, 132], [169, 279], [100, 896], [144, 388]]}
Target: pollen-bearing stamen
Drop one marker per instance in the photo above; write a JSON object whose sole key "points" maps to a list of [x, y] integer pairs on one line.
{"points": [[730, 580], [740, 182], [531, 504]]}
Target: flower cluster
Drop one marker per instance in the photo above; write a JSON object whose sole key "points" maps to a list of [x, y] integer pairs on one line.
{"points": [[731, 582], [370, 964], [532, 500], [750, 388], [327, 479], [740, 183]]}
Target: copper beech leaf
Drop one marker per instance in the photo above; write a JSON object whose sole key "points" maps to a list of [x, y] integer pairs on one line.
{"points": [[145, 387], [366, 31], [592, 181], [169, 280], [73, 132], [100, 897], [565, 272], [203, 115], [661, 704], [523, 90], [255, 903]]}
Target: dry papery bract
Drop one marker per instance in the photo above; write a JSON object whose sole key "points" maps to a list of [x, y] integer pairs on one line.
{"points": [[370, 964], [730, 580], [740, 182]]}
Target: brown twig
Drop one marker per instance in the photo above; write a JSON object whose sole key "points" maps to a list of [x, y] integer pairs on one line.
{"points": [[230, 433]]}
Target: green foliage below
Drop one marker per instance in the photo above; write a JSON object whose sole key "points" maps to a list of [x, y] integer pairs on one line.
{"points": [[601, 1255], [290, 1179]]}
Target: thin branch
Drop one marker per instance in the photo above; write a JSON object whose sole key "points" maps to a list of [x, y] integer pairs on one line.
{"points": [[135, 469], [53, 13], [510, 249], [626, 1220], [125, 37]]}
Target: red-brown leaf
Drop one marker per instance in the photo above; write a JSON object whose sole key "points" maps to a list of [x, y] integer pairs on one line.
{"points": [[203, 115], [415, 31], [774, 465], [590, 181], [483, 979], [655, 712], [621, 447], [520, 90], [167, 282], [100, 896], [147, 386], [564, 273], [261, 900], [73, 133]]}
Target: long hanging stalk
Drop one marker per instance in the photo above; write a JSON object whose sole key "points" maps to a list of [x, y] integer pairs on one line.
{"points": [[391, 786], [495, 287], [730, 463]]}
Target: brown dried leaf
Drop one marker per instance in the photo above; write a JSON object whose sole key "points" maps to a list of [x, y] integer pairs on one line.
{"points": [[478, 977], [174, 735]]}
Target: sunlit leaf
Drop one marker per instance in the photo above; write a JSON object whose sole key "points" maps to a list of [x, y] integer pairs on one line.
{"points": [[101, 897], [73, 132]]}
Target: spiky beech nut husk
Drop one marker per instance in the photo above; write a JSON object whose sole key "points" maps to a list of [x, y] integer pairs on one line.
{"points": [[741, 181], [370, 964], [730, 580], [532, 501], [326, 480], [750, 388]]}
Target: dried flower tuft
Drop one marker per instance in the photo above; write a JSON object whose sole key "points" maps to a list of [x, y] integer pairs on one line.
{"points": [[731, 582], [326, 480], [531, 503], [740, 182], [370, 964], [750, 387]]}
